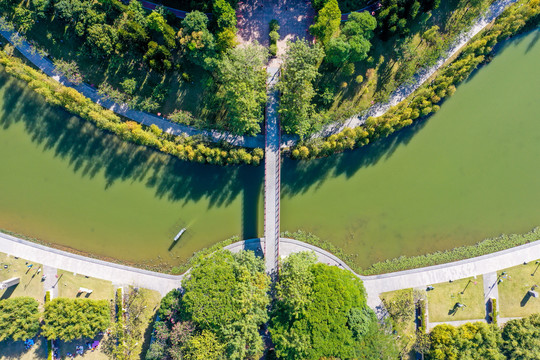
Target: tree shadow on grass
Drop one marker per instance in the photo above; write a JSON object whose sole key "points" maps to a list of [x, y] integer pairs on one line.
{"points": [[15, 350]]}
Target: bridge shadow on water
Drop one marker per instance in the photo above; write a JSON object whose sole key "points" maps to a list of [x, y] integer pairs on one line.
{"points": [[90, 151]]}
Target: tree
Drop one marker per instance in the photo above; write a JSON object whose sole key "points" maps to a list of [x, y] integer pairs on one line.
{"points": [[19, 318], [243, 80], [353, 44], [204, 347], [101, 39], [299, 71], [196, 41], [226, 294], [157, 23], [469, 341], [360, 24], [521, 338], [327, 22], [321, 312], [69, 319]]}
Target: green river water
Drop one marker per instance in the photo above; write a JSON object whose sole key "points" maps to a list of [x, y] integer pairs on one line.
{"points": [[471, 171]]}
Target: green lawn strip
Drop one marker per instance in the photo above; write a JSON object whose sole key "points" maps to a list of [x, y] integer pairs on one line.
{"points": [[513, 299], [69, 284], [30, 280], [444, 296]]}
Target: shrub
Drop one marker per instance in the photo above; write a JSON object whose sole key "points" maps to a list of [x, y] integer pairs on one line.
{"points": [[273, 49], [19, 318]]}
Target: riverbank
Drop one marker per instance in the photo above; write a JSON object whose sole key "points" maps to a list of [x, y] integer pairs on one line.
{"points": [[413, 103]]}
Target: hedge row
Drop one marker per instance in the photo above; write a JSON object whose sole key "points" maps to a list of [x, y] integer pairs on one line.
{"points": [[493, 314], [427, 98], [76, 103]]}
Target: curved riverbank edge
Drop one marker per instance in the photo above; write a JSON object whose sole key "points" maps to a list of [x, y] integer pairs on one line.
{"points": [[374, 284], [216, 136]]}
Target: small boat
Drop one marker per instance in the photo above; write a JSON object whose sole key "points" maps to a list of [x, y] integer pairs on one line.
{"points": [[179, 234]]}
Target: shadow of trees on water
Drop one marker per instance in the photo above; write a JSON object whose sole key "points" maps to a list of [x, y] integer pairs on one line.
{"points": [[298, 177], [90, 151]]}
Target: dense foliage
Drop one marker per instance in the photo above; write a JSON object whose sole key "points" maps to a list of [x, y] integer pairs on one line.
{"points": [[521, 338], [219, 313], [426, 100], [320, 312], [470, 341], [299, 71], [243, 78], [69, 319], [19, 318]]}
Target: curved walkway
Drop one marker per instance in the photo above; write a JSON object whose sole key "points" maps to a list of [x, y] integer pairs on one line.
{"points": [[375, 284], [117, 274]]}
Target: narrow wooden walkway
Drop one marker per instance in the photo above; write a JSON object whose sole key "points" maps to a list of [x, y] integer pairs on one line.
{"points": [[272, 175]]}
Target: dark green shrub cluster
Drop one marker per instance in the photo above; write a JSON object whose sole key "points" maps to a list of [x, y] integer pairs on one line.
{"points": [[59, 95], [426, 100], [69, 319], [274, 36]]}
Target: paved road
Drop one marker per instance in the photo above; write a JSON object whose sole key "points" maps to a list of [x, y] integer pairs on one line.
{"points": [[141, 117], [117, 274], [272, 175]]}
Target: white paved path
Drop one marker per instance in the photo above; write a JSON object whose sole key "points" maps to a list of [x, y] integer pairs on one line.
{"points": [[272, 179], [58, 259]]}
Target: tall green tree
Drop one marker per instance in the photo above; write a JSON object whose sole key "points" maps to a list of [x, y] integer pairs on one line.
{"points": [[327, 22], [299, 71], [470, 341], [243, 82], [321, 312], [197, 43], [226, 294], [19, 318]]}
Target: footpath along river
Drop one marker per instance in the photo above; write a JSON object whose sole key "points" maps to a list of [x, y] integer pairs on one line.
{"points": [[469, 172]]}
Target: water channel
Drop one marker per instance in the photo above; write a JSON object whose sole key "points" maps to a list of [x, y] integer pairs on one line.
{"points": [[469, 172]]}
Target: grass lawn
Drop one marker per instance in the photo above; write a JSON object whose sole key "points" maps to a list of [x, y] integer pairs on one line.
{"points": [[69, 284], [400, 304], [444, 296], [513, 299], [30, 283]]}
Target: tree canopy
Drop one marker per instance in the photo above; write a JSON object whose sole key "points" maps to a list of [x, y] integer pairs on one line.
{"points": [[19, 318], [321, 312], [243, 82], [521, 338], [70, 319], [219, 315], [299, 71], [327, 22], [469, 341]]}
